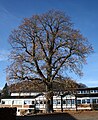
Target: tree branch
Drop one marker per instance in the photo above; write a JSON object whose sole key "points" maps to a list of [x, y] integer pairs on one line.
{"points": [[58, 68]]}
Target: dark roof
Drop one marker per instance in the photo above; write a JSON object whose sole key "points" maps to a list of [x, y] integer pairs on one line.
{"points": [[87, 95], [90, 88], [22, 97], [19, 97]]}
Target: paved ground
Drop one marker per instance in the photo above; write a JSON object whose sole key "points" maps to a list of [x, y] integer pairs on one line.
{"points": [[85, 115], [79, 115]]}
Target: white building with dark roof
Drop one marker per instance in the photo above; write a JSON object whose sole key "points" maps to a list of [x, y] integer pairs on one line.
{"points": [[78, 99]]}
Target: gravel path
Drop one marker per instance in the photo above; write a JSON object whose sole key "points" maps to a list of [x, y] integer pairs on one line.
{"points": [[79, 115]]}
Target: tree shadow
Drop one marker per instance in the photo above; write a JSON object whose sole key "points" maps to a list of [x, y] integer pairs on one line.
{"points": [[53, 116], [7, 113]]}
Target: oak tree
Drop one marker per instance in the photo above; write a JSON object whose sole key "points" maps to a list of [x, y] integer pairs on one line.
{"points": [[47, 46]]}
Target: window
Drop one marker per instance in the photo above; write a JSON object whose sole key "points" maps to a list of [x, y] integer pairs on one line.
{"points": [[44, 102], [86, 91], [88, 100], [83, 101], [7, 102], [3, 102], [28, 102], [82, 91], [58, 102], [33, 102], [41, 102], [78, 92], [78, 101], [73, 101], [68, 101], [17, 102], [91, 91], [64, 101], [95, 91], [94, 101], [37, 102], [54, 102]]}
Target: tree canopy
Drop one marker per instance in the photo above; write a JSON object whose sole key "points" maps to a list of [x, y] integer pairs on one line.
{"points": [[45, 46]]}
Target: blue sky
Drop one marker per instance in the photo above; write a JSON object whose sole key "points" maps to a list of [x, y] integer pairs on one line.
{"points": [[83, 13]]}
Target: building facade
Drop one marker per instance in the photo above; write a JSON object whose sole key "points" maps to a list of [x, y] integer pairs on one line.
{"points": [[78, 99]]}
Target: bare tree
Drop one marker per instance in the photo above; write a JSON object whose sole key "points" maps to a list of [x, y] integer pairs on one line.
{"points": [[46, 46]]}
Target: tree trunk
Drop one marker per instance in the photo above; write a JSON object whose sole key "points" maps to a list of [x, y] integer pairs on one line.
{"points": [[49, 105], [49, 99], [61, 103]]}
